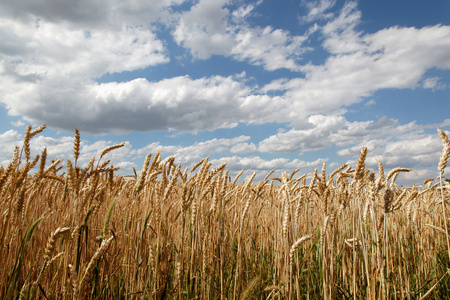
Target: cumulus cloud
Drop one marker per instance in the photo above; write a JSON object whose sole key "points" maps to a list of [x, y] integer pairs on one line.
{"points": [[52, 56], [42, 51], [210, 29], [395, 144], [92, 14], [415, 151], [360, 64], [128, 157], [48, 67], [324, 131], [243, 148], [188, 155], [8, 141], [179, 103]]}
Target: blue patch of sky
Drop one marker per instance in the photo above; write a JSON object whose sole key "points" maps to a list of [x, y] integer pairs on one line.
{"points": [[6, 120], [182, 7], [406, 105], [280, 15], [381, 14], [182, 63], [195, 69], [288, 16]]}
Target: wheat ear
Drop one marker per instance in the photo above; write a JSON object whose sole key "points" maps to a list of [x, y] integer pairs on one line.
{"points": [[100, 251], [111, 148], [295, 247], [445, 151], [76, 146]]}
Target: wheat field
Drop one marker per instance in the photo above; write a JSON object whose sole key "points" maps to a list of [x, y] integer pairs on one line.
{"points": [[84, 232]]}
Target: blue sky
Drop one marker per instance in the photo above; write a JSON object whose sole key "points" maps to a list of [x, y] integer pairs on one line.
{"points": [[259, 84]]}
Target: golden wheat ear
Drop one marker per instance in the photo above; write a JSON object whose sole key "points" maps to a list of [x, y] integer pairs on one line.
{"points": [[445, 151]]}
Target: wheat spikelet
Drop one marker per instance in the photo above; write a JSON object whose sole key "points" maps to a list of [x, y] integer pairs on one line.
{"points": [[102, 167], [26, 142], [428, 180], [250, 287], [387, 198], [42, 163], [141, 180], [52, 167], [297, 209], [172, 181], [76, 145], [23, 291], [202, 178], [323, 230], [271, 172], [360, 166], [6, 174], [295, 247], [397, 202], [99, 253], [197, 165], [445, 151], [70, 178], [248, 182], [111, 148], [395, 171], [52, 241], [237, 177], [219, 169], [338, 170], [436, 228], [244, 212], [217, 190], [37, 130], [19, 204], [24, 171], [323, 174], [29, 134], [98, 200], [111, 177], [286, 192], [411, 196], [349, 242]]}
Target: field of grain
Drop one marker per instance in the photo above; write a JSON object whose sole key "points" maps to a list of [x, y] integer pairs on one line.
{"points": [[83, 232]]}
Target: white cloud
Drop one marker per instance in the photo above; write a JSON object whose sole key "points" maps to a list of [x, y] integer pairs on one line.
{"points": [[304, 140], [433, 83], [416, 151], [317, 9], [243, 148], [189, 155], [340, 31], [410, 149], [40, 53], [52, 52], [324, 131], [405, 145], [62, 148], [56, 53], [91, 14], [370, 103], [359, 65], [179, 103], [445, 123], [8, 141], [207, 30], [18, 123]]}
